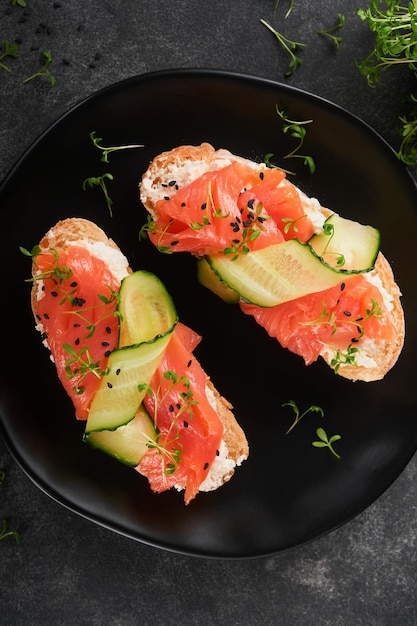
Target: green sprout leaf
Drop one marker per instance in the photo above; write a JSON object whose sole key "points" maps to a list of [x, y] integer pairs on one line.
{"points": [[290, 48], [329, 32], [299, 415], [43, 72], [9, 50], [324, 441]]}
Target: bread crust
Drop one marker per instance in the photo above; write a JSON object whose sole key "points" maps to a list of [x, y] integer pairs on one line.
{"points": [[73, 230], [176, 164]]}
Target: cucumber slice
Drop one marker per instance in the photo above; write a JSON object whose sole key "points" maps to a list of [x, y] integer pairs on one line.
{"points": [[348, 246], [276, 274], [118, 397], [146, 309], [127, 443], [208, 278]]}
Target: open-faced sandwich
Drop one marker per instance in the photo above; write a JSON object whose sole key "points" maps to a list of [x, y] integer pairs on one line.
{"points": [[127, 363], [316, 281]]}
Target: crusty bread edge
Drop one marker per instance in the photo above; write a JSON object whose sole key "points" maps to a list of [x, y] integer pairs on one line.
{"points": [[73, 230], [172, 166]]}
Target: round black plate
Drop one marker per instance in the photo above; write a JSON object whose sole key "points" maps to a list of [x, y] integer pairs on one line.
{"points": [[288, 492]]}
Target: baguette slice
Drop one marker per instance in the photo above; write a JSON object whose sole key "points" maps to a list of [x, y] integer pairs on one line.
{"points": [[185, 164], [234, 446]]}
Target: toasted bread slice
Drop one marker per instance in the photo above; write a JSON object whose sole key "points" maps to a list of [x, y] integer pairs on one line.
{"points": [[234, 448], [182, 165]]}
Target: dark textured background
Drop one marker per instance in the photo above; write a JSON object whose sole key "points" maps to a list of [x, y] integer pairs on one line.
{"points": [[69, 571]]}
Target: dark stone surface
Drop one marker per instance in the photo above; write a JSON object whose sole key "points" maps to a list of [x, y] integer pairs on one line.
{"points": [[67, 570]]}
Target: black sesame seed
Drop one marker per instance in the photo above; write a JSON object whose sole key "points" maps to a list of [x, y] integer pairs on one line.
{"points": [[217, 452], [171, 408], [105, 344], [359, 319], [77, 341], [203, 206], [189, 363], [206, 466], [46, 316], [77, 325], [54, 294], [178, 405], [250, 203], [261, 175], [347, 313], [174, 243], [107, 353], [185, 424], [183, 204], [354, 340], [44, 336], [118, 371], [109, 385], [342, 286], [38, 317], [164, 185], [167, 198], [73, 284], [108, 330], [172, 183]]}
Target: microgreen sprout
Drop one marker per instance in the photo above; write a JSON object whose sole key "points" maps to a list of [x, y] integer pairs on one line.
{"points": [[297, 130], [253, 226], [395, 43], [329, 32], [10, 50], [108, 150], [289, 46], [43, 72], [343, 358], [100, 181], [21, 3], [291, 223], [328, 230], [324, 441], [5, 532], [299, 415], [80, 364], [167, 444], [290, 7]]}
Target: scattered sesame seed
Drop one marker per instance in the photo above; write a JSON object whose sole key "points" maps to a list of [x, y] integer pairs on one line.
{"points": [[107, 353], [105, 344], [77, 341], [108, 330], [347, 313], [109, 385], [189, 363], [185, 424], [118, 371], [206, 466], [342, 286]]}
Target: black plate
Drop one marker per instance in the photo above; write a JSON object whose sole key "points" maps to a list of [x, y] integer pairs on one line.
{"points": [[288, 492]]}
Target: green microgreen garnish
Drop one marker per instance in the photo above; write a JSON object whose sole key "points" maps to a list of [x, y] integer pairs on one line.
{"points": [[151, 228], [58, 273], [43, 72], [329, 32], [10, 50], [330, 318], [108, 150], [100, 181], [297, 130], [394, 27], [5, 532], [291, 223], [289, 46], [249, 232], [170, 448], [343, 358], [21, 3], [84, 365], [290, 8], [324, 441], [328, 230], [299, 415]]}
